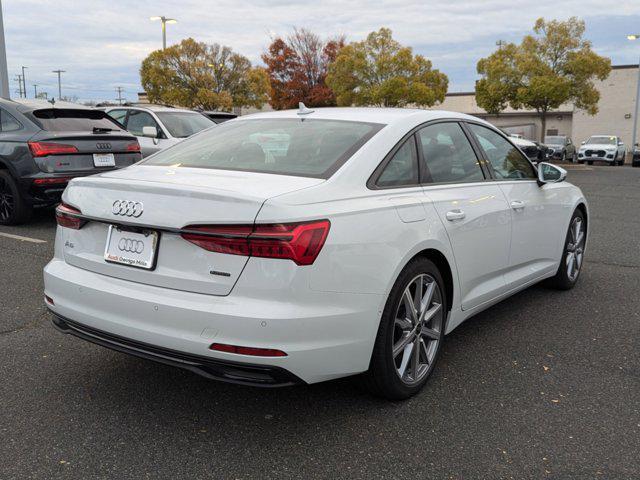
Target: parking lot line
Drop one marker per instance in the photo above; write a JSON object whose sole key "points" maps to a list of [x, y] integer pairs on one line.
{"points": [[21, 238]]}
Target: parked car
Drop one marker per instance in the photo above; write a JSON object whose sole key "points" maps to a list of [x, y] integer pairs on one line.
{"points": [[602, 148], [158, 127], [560, 147], [635, 161], [353, 250], [43, 146], [219, 117], [531, 149]]}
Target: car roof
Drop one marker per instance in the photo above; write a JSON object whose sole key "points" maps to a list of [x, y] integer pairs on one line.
{"points": [[150, 107], [31, 104], [385, 116]]}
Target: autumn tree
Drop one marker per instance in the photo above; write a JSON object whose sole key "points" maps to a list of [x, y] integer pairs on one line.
{"points": [[380, 71], [553, 66], [196, 75], [297, 68]]}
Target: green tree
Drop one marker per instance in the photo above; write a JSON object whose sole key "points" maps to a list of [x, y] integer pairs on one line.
{"points": [[196, 75], [553, 66], [380, 71]]}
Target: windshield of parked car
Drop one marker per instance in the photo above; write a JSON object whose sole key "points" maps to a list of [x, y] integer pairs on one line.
{"points": [[184, 124], [70, 120], [287, 146], [554, 140], [602, 140]]}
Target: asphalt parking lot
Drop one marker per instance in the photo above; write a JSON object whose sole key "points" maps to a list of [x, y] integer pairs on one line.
{"points": [[544, 385]]}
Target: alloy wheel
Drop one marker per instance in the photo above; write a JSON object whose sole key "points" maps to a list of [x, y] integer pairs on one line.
{"points": [[417, 329], [575, 248], [7, 202]]}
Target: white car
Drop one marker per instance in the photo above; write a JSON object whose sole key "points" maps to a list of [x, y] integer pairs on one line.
{"points": [[602, 148], [353, 250], [158, 127]]}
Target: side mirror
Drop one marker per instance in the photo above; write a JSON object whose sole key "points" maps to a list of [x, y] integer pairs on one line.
{"points": [[549, 173], [582, 143], [149, 131]]}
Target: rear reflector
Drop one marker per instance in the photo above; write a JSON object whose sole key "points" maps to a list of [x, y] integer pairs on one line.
{"points": [[42, 149], [300, 242], [52, 181], [133, 146], [67, 216], [251, 351]]}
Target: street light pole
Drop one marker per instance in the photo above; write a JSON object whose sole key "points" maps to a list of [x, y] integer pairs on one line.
{"points": [[4, 72], [635, 115], [164, 21]]}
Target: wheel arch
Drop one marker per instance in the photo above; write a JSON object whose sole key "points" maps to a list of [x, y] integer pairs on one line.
{"points": [[440, 261]]}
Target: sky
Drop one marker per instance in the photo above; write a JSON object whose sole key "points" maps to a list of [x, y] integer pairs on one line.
{"points": [[100, 44]]}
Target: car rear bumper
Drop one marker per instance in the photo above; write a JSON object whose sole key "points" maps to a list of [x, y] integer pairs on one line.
{"points": [[325, 335]]}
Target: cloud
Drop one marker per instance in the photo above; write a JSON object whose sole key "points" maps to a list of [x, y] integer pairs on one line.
{"points": [[101, 43]]}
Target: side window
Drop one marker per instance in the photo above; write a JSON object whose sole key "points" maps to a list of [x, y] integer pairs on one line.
{"points": [[139, 119], [8, 123], [506, 160], [448, 156], [402, 169], [118, 115]]}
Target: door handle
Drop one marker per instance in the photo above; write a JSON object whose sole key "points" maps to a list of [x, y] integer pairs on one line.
{"points": [[517, 204], [457, 214]]}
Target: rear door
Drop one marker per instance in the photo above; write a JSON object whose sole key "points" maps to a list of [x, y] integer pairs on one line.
{"points": [[473, 210], [536, 212]]}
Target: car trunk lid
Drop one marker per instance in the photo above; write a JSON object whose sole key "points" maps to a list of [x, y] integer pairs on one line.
{"points": [[170, 199]]}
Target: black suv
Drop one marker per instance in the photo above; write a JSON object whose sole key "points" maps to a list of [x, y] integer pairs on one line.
{"points": [[44, 145]]}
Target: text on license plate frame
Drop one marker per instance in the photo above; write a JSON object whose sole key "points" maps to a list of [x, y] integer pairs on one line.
{"points": [[128, 258], [104, 160]]}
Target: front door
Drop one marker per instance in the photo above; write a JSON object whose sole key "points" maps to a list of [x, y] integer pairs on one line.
{"points": [[536, 212]]}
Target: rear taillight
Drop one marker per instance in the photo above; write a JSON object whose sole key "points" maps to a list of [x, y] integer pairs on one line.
{"points": [[133, 146], [42, 149], [300, 242], [69, 217]]}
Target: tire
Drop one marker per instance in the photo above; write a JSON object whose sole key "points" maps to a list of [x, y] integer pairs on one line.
{"points": [[564, 157], [615, 160], [394, 376], [13, 209], [622, 159], [564, 279], [589, 162]]}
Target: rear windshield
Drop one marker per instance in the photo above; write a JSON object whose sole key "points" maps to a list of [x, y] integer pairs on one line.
{"points": [[602, 140], [69, 120], [303, 147], [184, 124]]}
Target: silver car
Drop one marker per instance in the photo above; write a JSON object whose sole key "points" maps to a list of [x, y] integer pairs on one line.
{"points": [[158, 127]]}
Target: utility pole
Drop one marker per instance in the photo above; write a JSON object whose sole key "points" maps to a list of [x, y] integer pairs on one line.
{"points": [[4, 74], [24, 83], [35, 90], [59, 72], [119, 90], [19, 80], [500, 44]]}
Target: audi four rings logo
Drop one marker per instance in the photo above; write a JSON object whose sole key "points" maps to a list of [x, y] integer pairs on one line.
{"points": [[127, 208], [103, 146], [130, 245]]}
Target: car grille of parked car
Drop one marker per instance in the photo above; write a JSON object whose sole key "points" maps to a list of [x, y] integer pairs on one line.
{"points": [[600, 153]]}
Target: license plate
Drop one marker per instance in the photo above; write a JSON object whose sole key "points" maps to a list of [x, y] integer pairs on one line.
{"points": [[104, 160], [594, 154], [135, 249]]}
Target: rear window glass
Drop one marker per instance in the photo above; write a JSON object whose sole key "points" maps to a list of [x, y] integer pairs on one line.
{"points": [[69, 120], [303, 147]]}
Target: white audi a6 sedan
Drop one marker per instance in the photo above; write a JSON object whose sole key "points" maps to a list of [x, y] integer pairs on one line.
{"points": [[302, 246]]}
